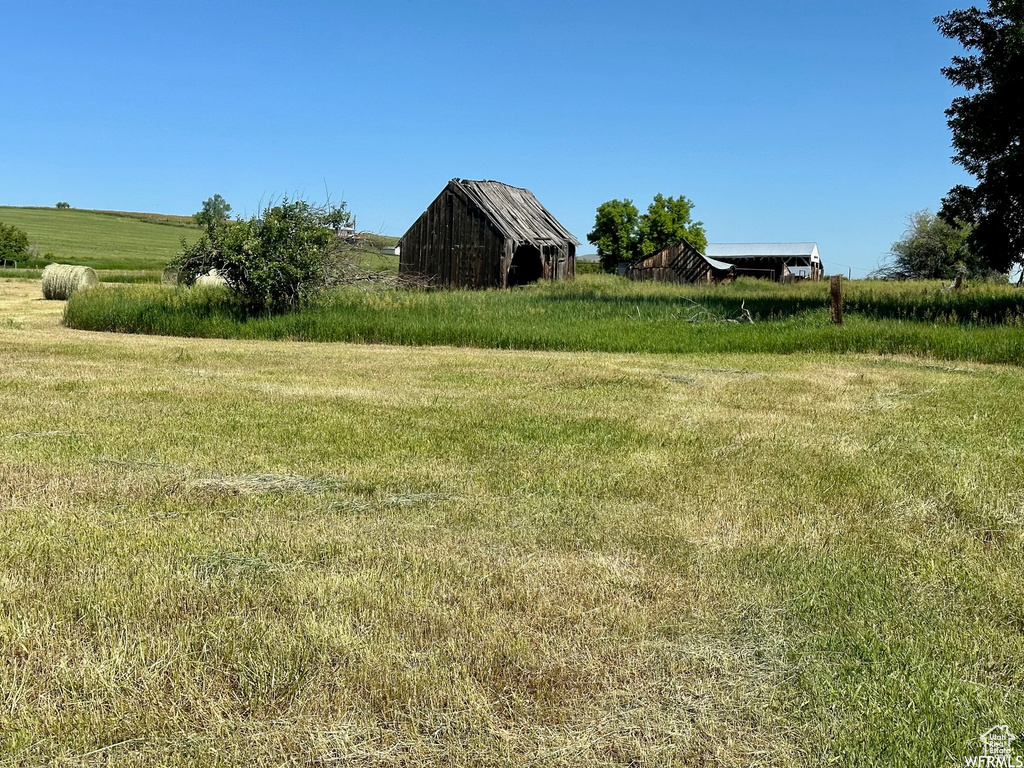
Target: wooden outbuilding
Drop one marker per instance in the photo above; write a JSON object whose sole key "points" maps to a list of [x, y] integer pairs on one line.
{"points": [[485, 234], [678, 263]]}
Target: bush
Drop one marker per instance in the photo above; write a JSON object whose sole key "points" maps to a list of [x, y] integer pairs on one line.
{"points": [[13, 243], [63, 206], [273, 263]]}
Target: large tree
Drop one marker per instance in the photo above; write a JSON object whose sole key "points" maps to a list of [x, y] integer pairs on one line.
{"points": [[988, 129], [931, 248], [615, 233], [215, 209], [668, 221], [622, 233]]}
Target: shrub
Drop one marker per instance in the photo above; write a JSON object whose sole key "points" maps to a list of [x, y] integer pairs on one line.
{"points": [[275, 262], [13, 243], [62, 206]]}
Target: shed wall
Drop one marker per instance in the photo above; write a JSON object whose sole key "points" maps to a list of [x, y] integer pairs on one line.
{"points": [[453, 244], [676, 263]]}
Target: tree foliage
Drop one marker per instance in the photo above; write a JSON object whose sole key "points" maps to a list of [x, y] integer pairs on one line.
{"points": [[63, 206], [931, 248], [988, 129], [13, 242], [615, 233], [668, 221], [215, 210], [274, 262], [622, 233]]}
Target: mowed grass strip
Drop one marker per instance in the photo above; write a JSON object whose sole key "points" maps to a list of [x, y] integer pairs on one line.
{"points": [[100, 239], [223, 552], [598, 313]]}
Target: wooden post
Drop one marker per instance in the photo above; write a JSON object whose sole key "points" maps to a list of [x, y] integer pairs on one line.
{"points": [[836, 289]]}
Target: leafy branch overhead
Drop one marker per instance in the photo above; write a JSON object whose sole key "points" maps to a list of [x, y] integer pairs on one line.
{"points": [[622, 233]]}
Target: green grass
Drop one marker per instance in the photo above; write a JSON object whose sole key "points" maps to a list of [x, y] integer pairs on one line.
{"points": [[598, 313], [101, 239], [105, 275], [223, 552]]}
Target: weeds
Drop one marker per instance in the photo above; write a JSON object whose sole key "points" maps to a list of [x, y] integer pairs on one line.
{"points": [[601, 313]]}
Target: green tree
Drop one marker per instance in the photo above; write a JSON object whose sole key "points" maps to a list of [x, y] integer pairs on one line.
{"points": [[931, 248], [988, 129], [13, 243], [215, 210], [62, 206], [615, 233], [668, 221], [274, 262], [621, 233]]}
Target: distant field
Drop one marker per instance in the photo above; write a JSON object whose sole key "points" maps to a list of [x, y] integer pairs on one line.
{"points": [[102, 239], [119, 241]]}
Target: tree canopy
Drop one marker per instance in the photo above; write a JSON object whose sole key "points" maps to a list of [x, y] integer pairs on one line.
{"points": [[13, 242], [622, 233], [931, 248], [988, 129], [215, 209]]}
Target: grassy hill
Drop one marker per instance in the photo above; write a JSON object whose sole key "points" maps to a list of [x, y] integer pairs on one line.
{"points": [[122, 240], [101, 239]]}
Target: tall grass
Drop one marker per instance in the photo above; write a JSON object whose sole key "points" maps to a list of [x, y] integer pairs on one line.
{"points": [[597, 314]]}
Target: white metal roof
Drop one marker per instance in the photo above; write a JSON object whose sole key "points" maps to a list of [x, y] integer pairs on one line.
{"points": [[729, 251]]}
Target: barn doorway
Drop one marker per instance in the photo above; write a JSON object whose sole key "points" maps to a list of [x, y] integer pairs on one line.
{"points": [[526, 266]]}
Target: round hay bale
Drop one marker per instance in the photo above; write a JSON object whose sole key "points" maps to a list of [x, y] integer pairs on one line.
{"points": [[61, 280], [210, 278]]}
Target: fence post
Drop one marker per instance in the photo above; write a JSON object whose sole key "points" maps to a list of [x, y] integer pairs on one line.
{"points": [[836, 290]]}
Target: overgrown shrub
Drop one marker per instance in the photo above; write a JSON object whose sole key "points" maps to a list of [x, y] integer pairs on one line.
{"points": [[275, 262]]}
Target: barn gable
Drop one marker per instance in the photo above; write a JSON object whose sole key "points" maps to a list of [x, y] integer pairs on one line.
{"points": [[484, 234], [679, 262]]}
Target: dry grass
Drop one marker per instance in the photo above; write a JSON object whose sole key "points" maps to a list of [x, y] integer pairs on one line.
{"points": [[223, 552]]}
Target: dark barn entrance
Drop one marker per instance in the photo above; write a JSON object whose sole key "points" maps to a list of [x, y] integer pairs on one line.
{"points": [[526, 266]]}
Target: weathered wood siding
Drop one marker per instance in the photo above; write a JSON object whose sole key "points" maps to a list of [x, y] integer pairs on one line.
{"points": [[676, 263], [484, 234], [453, 245]]}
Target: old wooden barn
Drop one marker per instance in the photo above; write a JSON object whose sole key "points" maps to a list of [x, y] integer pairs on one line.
{"points": [[678, 263], [485, 234]]}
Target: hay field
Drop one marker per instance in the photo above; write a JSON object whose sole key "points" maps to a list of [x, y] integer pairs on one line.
{"points": [[222, 552], [104, 240]]}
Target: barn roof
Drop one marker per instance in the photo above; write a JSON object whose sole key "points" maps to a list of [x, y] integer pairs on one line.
{"points": [[730, 251], [516, 213]]}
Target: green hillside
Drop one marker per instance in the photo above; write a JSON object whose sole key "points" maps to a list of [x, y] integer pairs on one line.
{"points": [[101, 239]]}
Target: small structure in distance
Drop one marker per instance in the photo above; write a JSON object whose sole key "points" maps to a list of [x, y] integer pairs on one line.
{"points": [[781, 262], [485, 234], [679, 262]]}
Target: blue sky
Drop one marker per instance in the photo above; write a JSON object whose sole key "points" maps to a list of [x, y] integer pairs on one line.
{"points": [[785, 121]]}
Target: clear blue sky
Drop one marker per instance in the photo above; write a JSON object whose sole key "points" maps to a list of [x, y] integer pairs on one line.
{"points": [[785, 121]]}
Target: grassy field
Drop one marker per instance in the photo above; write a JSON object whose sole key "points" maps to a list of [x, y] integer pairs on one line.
{"points": [[603, 313], [119, 243], [102, 239], [224, 552]]}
